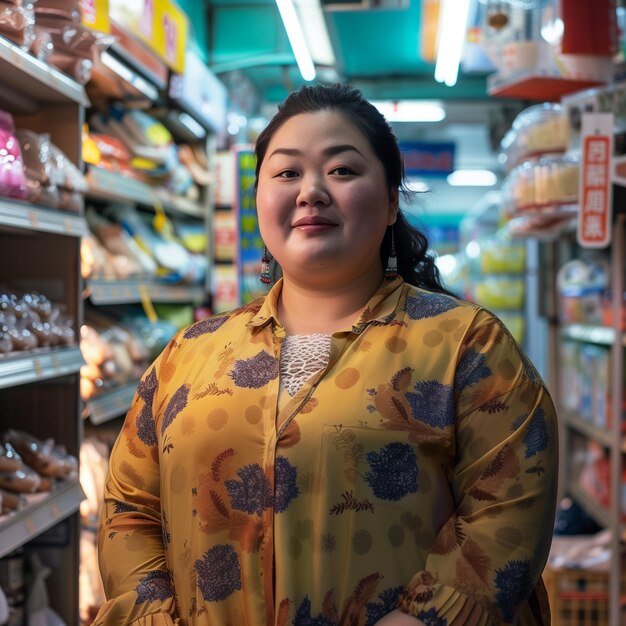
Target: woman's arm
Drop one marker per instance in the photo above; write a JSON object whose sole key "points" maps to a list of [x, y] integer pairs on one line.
{"points": [[132, 559], [487, 559]]}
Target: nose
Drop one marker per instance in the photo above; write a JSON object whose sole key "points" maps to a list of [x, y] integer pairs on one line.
{"points": [[313, 191]]}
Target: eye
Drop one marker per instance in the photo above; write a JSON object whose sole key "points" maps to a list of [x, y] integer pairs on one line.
{"points": [[287, 174], [343, 171]]}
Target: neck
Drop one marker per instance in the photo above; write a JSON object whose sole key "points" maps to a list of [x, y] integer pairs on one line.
{"points": [[305, 309]]}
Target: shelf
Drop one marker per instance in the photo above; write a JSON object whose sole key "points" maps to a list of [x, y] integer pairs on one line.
{"points": [[102, 292], [17, 214], [112, 404], [113, 187], [535, 88], [598, 434], [594, 509], [43, 512], [35, 80], [23, 368], [602, 335]]}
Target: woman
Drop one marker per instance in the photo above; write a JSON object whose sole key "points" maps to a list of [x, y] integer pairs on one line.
{"points": [[359, 447]]}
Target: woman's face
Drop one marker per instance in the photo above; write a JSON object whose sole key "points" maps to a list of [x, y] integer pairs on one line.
{"points": [[322, 199]]}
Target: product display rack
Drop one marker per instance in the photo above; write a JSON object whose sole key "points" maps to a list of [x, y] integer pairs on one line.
{"points": [[611, 439], [39, 390]]}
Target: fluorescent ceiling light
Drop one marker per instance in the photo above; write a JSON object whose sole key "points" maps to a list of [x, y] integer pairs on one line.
{"points": [[472, 178], [410, 110], [315, 32], [450, 39], [296, 39]]}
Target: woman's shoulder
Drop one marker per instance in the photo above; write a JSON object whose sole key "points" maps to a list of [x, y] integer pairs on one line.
{"points": [[229, 321], [421, 303]]}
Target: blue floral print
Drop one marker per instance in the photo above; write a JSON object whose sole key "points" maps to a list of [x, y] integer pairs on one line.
{"points": [[423, 305], [157, 585], [536, 437], [285, 484], [256, 371], [433, 403], [471, 370], [388, 601], [205, 326], [514, 584], [219, 573], [393, 471], [253, 492]]}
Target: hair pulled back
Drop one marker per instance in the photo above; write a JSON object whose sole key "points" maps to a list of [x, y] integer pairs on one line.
{"points": [[415, 264]]}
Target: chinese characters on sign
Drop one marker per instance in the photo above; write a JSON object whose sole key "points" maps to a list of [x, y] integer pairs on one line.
{"points": [[596, 197]]}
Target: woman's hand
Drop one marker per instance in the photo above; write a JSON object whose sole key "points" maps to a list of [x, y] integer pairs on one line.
{"points": [[398, 618]]}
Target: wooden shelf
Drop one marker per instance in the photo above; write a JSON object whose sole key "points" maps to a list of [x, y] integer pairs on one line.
{"points": [[111, 404], [535, 88], [34, 80], [589, 430], [113, 187], [602, 335], [594, 509], [22, 368], [17, 214], [104, 292], [42, 512]]}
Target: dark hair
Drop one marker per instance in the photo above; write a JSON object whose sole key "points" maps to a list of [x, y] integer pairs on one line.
{"points": [[415, 264]]}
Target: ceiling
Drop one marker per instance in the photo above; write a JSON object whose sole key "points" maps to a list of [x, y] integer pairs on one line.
{"points": [[377, 49]]}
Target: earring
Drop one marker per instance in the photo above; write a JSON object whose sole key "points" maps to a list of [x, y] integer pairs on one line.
{"points": [[265, 277], [391, 271]]}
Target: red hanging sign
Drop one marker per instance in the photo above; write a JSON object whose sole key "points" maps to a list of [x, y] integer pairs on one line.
{"points": [[596, 188]]}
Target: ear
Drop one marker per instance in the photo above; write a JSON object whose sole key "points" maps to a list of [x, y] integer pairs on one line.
{"points": [[394, 202]]}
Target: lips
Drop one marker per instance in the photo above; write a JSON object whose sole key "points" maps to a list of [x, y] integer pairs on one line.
{"points": [[313, 220]]}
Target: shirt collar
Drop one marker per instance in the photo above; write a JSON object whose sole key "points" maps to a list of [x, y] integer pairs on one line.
{"points": [[381, 307]]}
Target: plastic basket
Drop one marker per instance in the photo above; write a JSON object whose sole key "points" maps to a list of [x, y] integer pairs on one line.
{"points": [[579, 597]]}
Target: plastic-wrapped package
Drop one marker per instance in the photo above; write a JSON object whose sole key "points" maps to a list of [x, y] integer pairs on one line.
{"points": [[10, 459], [68, 10], [12, 177], [75, 67], [36, 154], [45, 457], [41, 46], [17, 22], [539, 129], [23, 480], [71, 178]]}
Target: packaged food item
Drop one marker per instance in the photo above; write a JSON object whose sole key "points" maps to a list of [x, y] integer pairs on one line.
{"points": [[44, 457], [10, 460], [12, 178], [17, 20], [24, 480]]}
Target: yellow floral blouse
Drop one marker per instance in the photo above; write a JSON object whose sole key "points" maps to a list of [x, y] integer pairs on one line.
{"points": [[416, 471]]}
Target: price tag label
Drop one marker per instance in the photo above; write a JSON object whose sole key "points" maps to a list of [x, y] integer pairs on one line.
{"points": [[37, 367], [30, 526], [56, 362], [33, 218], [55, 510]]}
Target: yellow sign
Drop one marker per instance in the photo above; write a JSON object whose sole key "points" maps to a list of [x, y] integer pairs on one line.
{"points": [[170, 34], [95, 14], [161, 24]]}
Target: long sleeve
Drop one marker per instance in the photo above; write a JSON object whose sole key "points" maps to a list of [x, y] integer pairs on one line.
{"points": [[485, 564], [131, 550]]}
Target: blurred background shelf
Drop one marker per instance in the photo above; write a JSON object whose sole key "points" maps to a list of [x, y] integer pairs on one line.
{"points": [[43, 512], [103, 292], [16, 214], [111, 404], [19, 369]]}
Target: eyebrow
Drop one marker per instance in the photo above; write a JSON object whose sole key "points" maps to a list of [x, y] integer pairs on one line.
{"points": [[330, 151]]}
